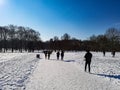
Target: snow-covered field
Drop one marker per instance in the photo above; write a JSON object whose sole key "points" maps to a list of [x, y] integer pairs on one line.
{"points": [[15, 68], [23, 71]]}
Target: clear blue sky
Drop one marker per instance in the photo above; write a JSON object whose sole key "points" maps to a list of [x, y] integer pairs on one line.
{"points": [[79, 18]]}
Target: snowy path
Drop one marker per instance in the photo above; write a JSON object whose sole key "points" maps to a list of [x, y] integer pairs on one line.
{"points": [[60, 75], [23, 71]]}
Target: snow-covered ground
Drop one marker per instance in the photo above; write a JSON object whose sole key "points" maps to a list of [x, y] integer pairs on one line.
{"points": [[23, 71], [15, 69]]}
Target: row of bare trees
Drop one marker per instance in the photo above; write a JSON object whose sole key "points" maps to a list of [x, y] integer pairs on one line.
{"points": [[110, 41], [18, 38], [65, 43], [23, 38]]}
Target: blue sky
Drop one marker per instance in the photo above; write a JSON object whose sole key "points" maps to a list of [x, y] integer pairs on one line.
{"points": [[79, 18]]}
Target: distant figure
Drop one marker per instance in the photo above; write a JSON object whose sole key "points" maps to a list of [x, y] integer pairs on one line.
{"points": [[103, 53], [49, 53], [38, 56], [88, 57], [62, 55], [113, 53], [58, 54], [45, 52]]}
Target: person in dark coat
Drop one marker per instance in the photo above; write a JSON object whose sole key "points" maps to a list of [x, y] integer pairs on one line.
{"points": [[104, 53], [58, 54], [62, 55], [88, 57], [113, 53], [49, 53], [38, 56], [45, 53]]}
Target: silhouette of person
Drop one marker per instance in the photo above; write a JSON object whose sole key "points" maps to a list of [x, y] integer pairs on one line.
{"points": [[62, 55], [88, 57], [49, 53], [104, 53], [45, 52], [38, 56], [113, 53], [58, 54]]}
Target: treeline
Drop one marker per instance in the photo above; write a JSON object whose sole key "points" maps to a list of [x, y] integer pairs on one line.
{"points": [[24, 38], [110, 41], [65, 43], [18, 38]]}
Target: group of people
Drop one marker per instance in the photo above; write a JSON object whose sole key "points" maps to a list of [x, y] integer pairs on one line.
{"points": [[58, 55], [47, 54], [88, 57]]}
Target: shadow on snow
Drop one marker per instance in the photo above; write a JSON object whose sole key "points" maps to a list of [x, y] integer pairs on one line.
{"points": [[69, 60], [109, 76]]}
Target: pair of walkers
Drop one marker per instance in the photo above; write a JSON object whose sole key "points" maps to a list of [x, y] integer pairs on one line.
{"points": [[58, 55], [47, 54]]}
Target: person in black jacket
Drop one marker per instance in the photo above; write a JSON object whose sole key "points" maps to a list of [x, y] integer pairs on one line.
{"points": [[45, 53], [49, 53], [103, 52], [113, 53], [58, 54], [88, 57], [62, 55]]}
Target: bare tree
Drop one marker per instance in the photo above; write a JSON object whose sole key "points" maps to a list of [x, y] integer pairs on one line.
{"points": [[66, 37], [113, 35], [5, 37], [12, 32], [55, 38], [21, 36], [1, 38]]}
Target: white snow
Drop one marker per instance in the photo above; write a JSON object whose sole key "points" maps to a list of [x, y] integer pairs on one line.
{"points": [[23, 71], [15, 69]]}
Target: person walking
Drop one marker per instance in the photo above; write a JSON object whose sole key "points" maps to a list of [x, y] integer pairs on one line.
{"points": [[113, 53], [104, 53], [88, 57], [62, 55], [45, 53], [58, 54], [49, 53]]}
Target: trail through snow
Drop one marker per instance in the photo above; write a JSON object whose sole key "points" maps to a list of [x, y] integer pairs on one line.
{"points": [[23, 71], [67, 75]]}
